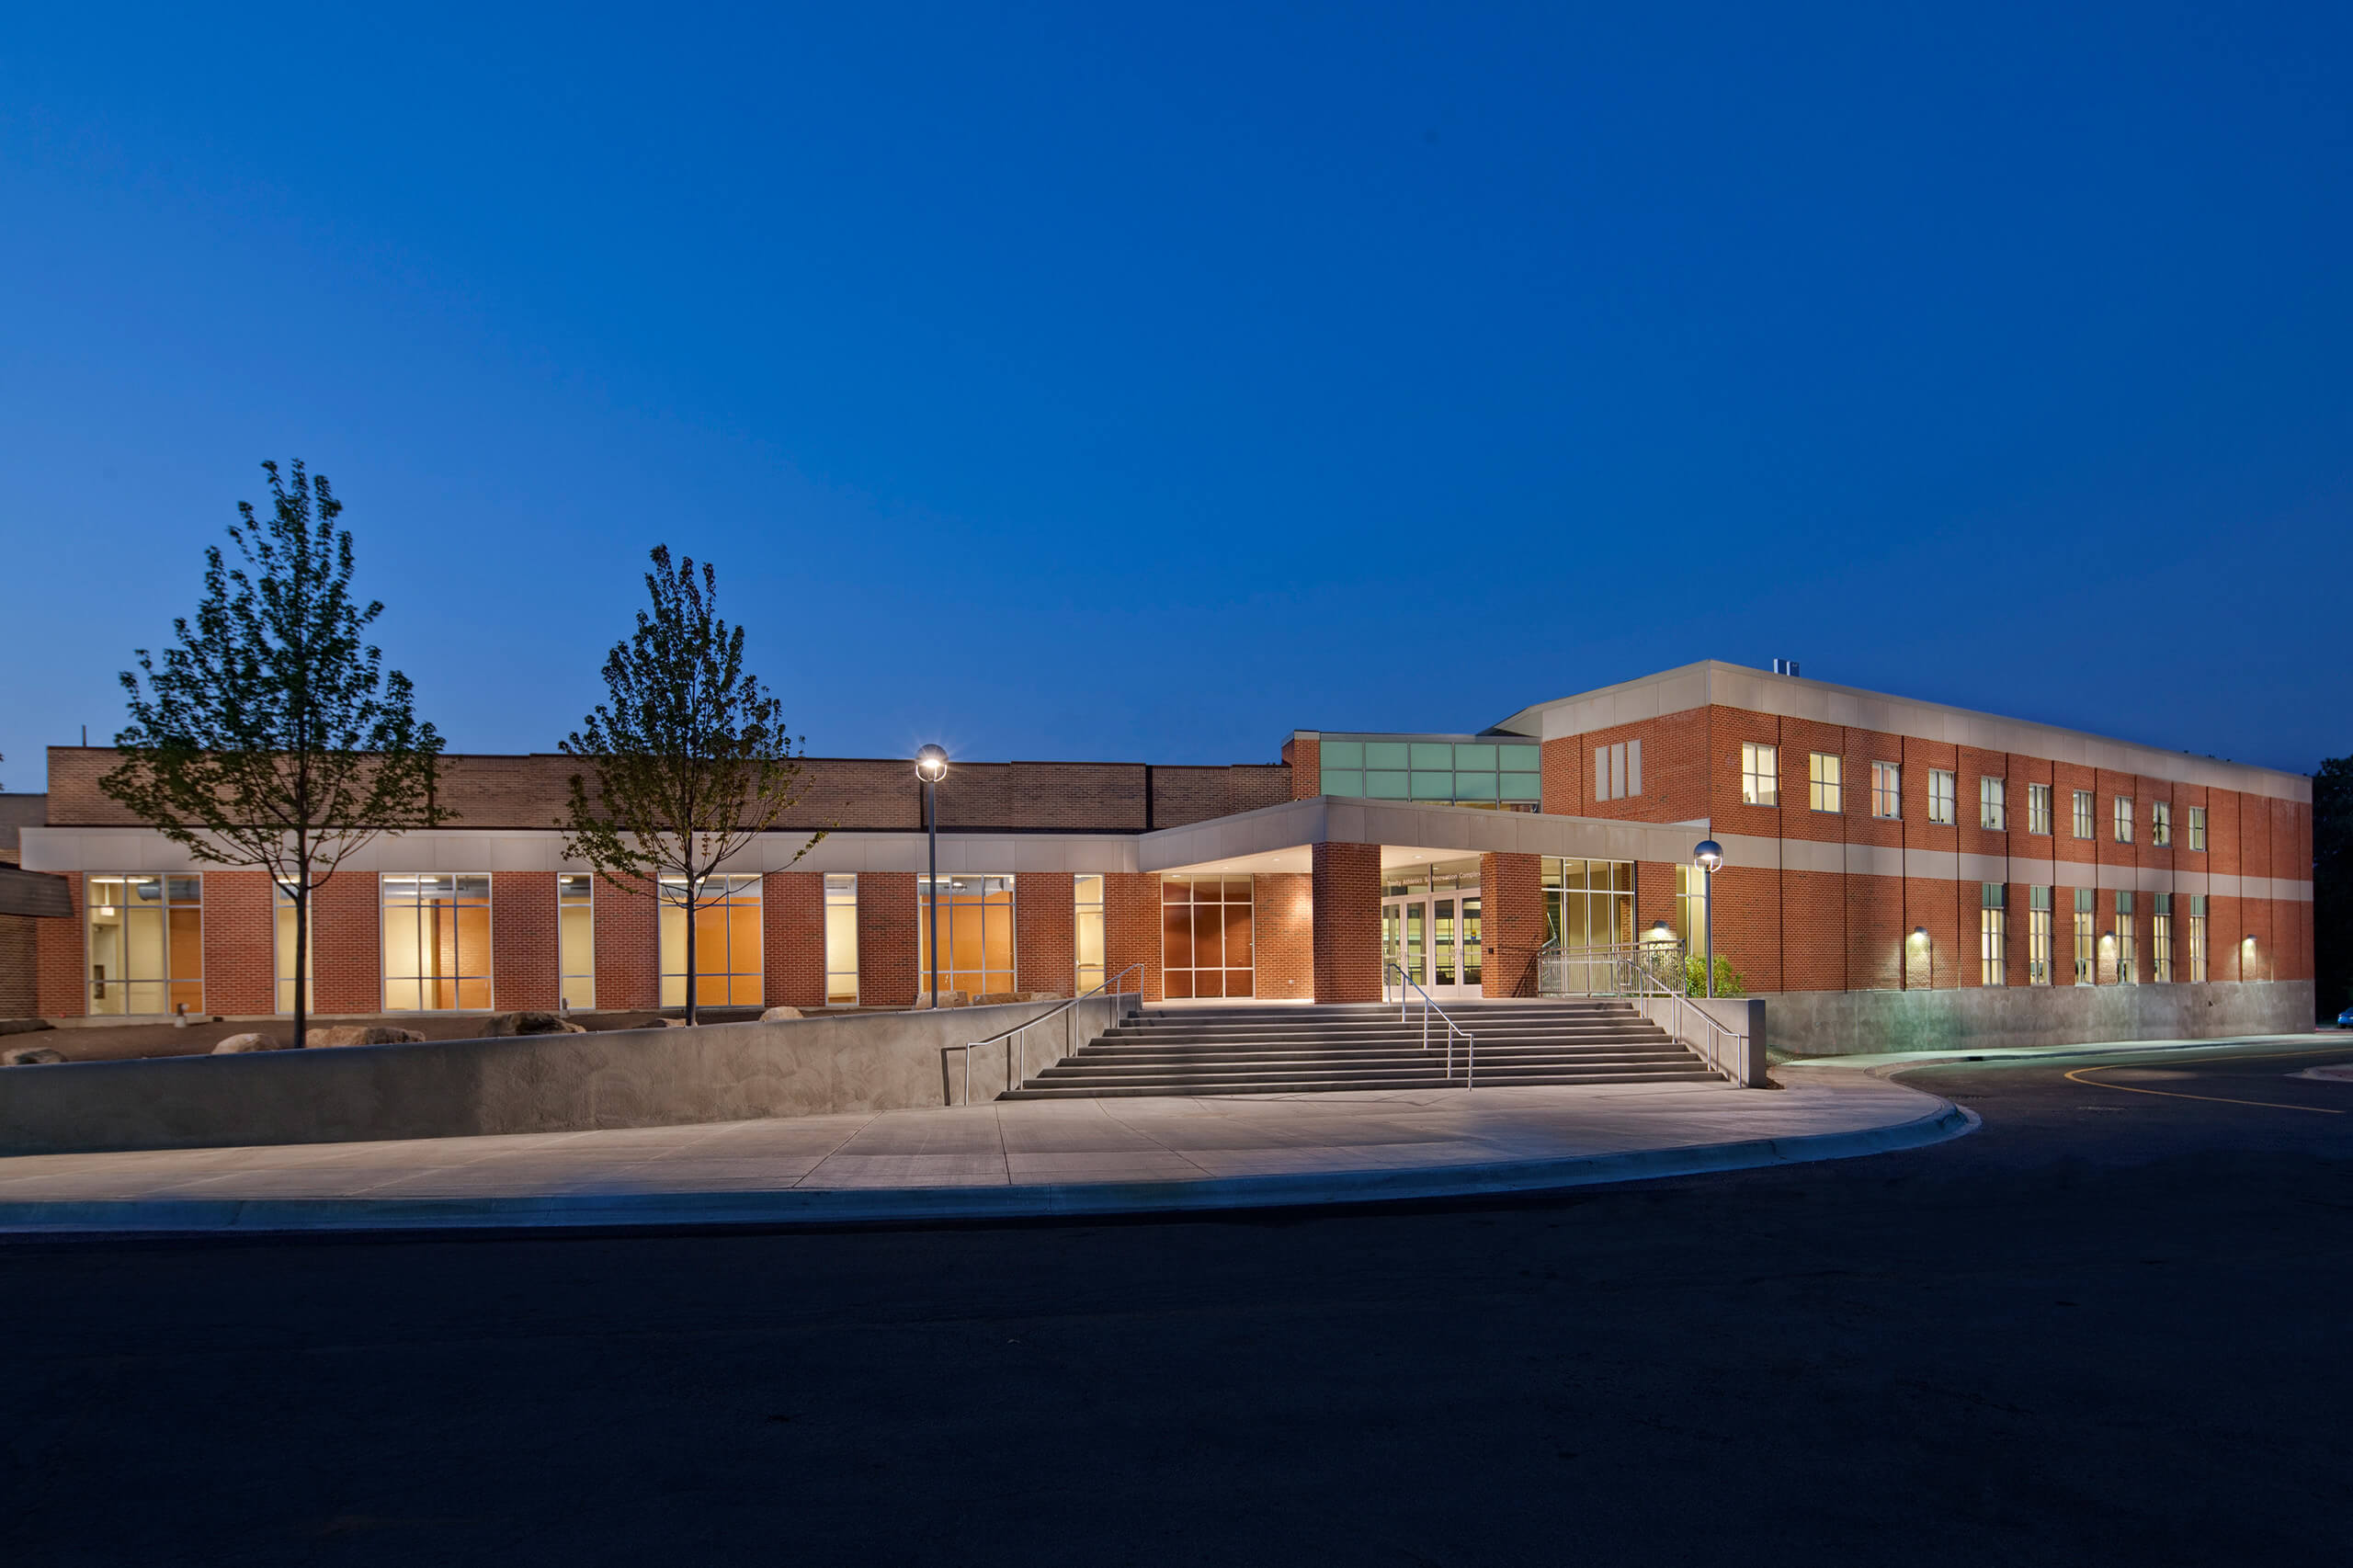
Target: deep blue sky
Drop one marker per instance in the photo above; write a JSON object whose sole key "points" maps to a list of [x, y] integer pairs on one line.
{"points": [[1097, 382]]}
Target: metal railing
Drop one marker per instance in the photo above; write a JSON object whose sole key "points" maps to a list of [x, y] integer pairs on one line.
{"points": [[1470, 1045], [1115, 987], [1608, 970], [1655, 975]]}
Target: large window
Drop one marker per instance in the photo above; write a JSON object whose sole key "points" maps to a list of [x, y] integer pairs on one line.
{"points": [[2127, 942], [2197, 829], [2086, 952], [2161, 822], [284, 902], [2037, 937], [147, 936], [1993, 805], [1887, 789], [1462, 773], [2123, 819], [1590, 903], [2161, 938], [1618, 771], [727, 943], [576, 940], [1760, 774], [841, 939], [2083, 814], [2038, 808], [975, 935], [1205, 936], [2197, 936], [1825, 781], [1942, 791], [1086, 908], [1993, 934], [437, 942]]}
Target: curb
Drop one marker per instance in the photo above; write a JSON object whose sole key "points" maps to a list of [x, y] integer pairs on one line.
{"points": [[839, 1206]]}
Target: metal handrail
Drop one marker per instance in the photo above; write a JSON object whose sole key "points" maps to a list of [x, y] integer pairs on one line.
{"points": [[1113, 986], [1649, 955], [1469, 1044], [1647, 985]]}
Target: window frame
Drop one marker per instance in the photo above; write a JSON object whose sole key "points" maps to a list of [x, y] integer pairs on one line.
{"points": [[2161, 825], [2085, 816], [564, 977], [838, 894], [2037, 809], [1993, 804], [2123, 818], [1944, 797], [1825, 781], [174, 990], [468, 993], [1887, 791], [1760, 774], [2197, 830]]}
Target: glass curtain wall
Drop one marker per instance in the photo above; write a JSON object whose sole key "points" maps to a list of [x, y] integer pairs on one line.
{"points": [[437, 942], [146, 944], [1087, 929], [727, 942], [1589, 904], [1434, 771], [1206, 942], [576, 940], [975, 934], [841, 939]]}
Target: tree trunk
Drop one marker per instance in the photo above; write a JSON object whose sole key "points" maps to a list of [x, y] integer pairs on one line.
{"points": [[691, 890], [302, 954]]}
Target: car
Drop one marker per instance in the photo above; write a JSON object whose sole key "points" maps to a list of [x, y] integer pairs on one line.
{"points": [[2345, 1019]]}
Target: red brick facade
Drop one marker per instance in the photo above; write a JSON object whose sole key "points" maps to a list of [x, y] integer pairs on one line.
{"points": [[1511, 918], [792, 929], [1348, 921], [1045, 932], [1285, 923]]}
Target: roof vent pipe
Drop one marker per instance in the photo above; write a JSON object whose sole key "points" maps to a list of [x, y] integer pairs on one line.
{"points": [[1785, 666]]}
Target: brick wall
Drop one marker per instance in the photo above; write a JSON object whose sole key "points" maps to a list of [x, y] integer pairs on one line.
{"points": [[1285, 922], [19, 966], [60, 980], [240, 944], [348, 968], [792, 938], [1045, 932], [1348, 921], [1303, 754], [887, 961], [523, 942], [1511, 914], [1132, 927], [629, 956]]}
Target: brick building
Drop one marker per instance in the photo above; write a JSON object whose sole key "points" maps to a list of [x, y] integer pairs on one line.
{"points": [[1896, 873]]}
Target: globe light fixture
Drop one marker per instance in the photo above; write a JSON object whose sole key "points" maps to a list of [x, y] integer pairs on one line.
{"points": [[931, 765], [1709, 856]]}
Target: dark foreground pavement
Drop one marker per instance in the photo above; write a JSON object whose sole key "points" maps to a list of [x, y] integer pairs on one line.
{"points": [[2112, 1327]]}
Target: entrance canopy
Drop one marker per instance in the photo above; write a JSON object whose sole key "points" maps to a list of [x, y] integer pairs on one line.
{"points": [[1282, 838]]}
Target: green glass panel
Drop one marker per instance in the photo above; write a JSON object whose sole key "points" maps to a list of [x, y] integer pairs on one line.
{"points": [[1342, 753], [1475, 756], [1520, 759], [1474, 785], [1348, 782], [1384, 753], [1433, 754], [1433, 786], [1380, 786], [1522, 787]]}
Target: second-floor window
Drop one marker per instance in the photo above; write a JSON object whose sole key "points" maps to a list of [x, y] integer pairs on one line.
{"points": [[2123, 819], [2160, 823], [1993, 806], [2197, 829], [1761, 776], [1941, 796], [1825, 786], [2038, 808], [1887, 789]]}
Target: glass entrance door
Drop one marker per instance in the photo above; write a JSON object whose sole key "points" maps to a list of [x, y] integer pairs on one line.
{"points": [[1435, 938]]}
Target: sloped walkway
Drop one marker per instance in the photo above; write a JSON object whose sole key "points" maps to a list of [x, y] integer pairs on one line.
{"points": [[993, 1161]]}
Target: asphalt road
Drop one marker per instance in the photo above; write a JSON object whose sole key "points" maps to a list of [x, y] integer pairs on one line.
{"points": [[2110, 1327]]}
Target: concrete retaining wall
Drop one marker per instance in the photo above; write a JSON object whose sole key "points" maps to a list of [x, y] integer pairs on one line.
{"points": [[1849, 1023], [536, 1084]]}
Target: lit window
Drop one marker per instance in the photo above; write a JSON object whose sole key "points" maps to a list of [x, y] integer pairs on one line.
{"points": [[975, 935], [1825, 782], [1941, 792], [576, 940], [727, 942], [2083, 814], [2128, 943], [2037, 937], [2087, 956], [1887, 789], [147, 936], [2123, 819], [2160, 823], [2197, 936], [841, 939], [2161, 939], [1993, 805], [1760, 774], [1087, 893], [1993, 934], [2038, 808], [2197, 828], [285, 935], [1205, 936], [437, 942]]}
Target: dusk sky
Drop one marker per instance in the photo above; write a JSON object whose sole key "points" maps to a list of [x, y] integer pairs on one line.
{"points": [[1112, 382]]}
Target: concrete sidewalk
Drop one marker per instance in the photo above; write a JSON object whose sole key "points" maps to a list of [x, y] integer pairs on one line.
{"points": [[1067, 1157]]}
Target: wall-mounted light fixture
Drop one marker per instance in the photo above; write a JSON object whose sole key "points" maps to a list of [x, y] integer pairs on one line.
{"points": [[1919, 936]]}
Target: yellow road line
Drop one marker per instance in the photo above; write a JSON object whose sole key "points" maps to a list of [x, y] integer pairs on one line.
{"points": [[2076, 1077]]}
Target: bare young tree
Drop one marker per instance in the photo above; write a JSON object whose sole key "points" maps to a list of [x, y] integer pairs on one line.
{"points": [[688, 757], [272, 735]]}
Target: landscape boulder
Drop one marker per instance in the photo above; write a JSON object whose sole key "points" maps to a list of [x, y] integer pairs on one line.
{"points": [[24, 1026], [946, 998], [504, 1024], [779, 1015], [240, 1044], [31, 1056], [364, 1034]]}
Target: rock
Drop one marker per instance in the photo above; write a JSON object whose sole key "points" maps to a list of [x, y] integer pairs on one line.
{"points": [[947, 999], [239, 1044], [31, 1056], [364, 1034], [504, 1024], [24, 1026], [779, 1015]]}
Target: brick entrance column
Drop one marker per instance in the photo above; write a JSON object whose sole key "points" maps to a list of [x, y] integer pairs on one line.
{"points": [[1511, 917], [1347, 879]]}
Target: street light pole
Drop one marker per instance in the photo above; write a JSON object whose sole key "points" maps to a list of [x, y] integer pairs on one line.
{"points": [[1708, 855], [931, 762]]}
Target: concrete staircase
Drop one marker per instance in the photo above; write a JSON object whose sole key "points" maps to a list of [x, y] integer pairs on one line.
{"points": [[1295, 1050]]}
